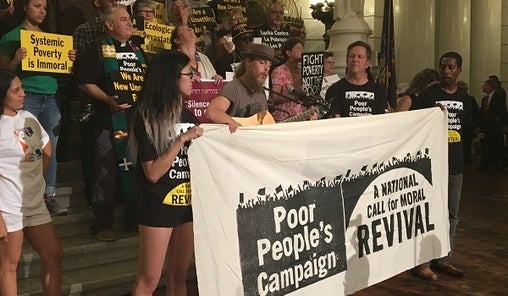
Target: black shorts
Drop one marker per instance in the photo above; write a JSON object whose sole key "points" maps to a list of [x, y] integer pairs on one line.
{"points": [[152, 212]]}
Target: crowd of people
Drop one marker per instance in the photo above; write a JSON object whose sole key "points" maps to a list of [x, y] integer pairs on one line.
{"points": [[102, 47]]}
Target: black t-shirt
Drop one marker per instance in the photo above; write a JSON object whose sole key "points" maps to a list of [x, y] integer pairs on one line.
{"points": [[349, 100], [223, 64], [89, 69], [458, 105], [176, 175]]}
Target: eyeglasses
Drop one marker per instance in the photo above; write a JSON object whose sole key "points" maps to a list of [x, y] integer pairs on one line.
{"points": [[191, 73], [149, 12]]}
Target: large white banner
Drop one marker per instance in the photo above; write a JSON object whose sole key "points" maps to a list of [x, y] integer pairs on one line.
{"points": [[322, 207]]}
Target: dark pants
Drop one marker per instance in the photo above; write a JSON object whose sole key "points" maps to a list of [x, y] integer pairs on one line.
{"points": [[468, 143], [87, 148], [493, 149], [103, 181]]}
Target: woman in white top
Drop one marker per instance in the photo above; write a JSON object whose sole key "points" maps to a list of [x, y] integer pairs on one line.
{"points": [[183, 39], [25, 150]]}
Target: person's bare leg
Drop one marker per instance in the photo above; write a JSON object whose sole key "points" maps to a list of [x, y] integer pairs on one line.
{"points": [[10, 252], [44, 241], [153, 245], [180, 253]]}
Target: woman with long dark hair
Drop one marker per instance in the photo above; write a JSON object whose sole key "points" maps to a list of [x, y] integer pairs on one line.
{"points": [[161, 134], [25, 150], [40, 87]]}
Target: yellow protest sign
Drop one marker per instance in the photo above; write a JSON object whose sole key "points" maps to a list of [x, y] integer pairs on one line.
{"points": [[46, 52], [157, 37], [160, 13]]}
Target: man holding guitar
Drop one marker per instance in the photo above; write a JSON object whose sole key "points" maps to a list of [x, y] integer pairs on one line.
{"points": [[244, 95]]}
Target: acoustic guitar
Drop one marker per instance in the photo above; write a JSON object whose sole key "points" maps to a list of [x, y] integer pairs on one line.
{"points": [[264, 117]]}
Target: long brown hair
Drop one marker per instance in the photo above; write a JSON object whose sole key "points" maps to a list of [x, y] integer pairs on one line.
{"points": [[160, 102]]}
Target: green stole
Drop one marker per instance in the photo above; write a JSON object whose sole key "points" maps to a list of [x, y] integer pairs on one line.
{"points": [[120, 125], [109, 54]]}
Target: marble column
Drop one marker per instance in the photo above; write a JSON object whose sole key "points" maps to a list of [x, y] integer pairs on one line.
{"points": [[454, 32], [349, 26], [415, 27], [486, 43]]}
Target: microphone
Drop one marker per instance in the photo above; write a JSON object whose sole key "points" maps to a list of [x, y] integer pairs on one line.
{"points": [[301, 97], [300, 94]]}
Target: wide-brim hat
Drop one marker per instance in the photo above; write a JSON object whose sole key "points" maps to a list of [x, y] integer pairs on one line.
{"points": [[240, 29], [402, 87], [261, 51]]}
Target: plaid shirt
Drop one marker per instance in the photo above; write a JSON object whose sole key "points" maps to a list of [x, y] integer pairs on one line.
{"points": [[87, 33]]}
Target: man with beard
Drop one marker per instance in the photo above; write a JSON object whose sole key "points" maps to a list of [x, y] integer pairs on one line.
{"points": [[244, 95], [457, 101]]}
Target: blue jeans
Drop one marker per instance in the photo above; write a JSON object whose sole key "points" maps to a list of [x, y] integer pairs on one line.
{"points": [[454, 192], [45, 108]]}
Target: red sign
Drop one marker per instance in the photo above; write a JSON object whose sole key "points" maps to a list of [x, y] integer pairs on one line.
{"points": [[202, 94]]}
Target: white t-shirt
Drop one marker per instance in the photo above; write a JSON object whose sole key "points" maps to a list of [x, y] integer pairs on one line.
{"points": [[205, 66], [21, 178]]}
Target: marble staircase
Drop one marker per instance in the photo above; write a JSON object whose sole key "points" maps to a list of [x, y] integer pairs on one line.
{"points": [[89, 266]]}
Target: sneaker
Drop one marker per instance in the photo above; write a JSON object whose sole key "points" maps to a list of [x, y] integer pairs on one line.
{"points": [[106, 235], [53, 207]]}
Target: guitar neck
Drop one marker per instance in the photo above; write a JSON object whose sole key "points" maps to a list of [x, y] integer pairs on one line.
{"points": [[302, 116]]}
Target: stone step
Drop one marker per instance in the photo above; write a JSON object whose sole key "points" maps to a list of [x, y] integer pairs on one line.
{"points": [[71, 194], [89, 266], [79, 219], [80, 252], [114, 278]]}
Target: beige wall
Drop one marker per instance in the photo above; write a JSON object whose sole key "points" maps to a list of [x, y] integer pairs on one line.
{"points": [[504, 44], [424, 29]]}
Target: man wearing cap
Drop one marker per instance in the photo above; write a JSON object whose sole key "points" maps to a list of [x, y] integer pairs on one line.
{"points": [[244, 95], [242, 38]]}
